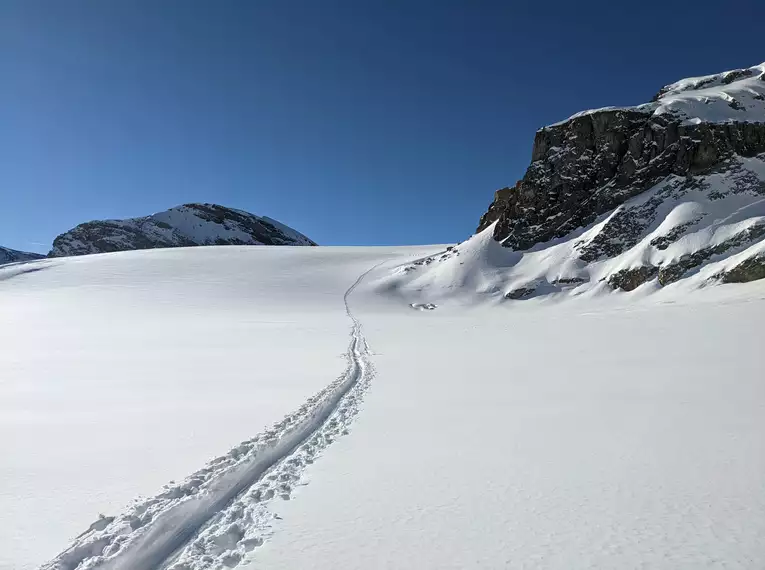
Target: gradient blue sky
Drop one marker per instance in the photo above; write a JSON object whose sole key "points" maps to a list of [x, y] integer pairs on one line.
{"points": [[354, 121]]}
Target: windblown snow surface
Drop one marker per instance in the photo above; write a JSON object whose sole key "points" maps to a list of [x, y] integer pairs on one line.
{"points": [[255, 407]]}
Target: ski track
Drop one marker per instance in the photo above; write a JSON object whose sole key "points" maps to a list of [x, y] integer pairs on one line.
{"points": [[214, 517]]}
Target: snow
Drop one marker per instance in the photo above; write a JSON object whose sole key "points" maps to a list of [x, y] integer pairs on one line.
{"points": [[586, 435], [187, 224], [587, 112], [122, 372], [417, 419], [732, 96]]}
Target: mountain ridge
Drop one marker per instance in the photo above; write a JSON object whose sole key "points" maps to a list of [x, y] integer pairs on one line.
{"points": [[188, 225]]}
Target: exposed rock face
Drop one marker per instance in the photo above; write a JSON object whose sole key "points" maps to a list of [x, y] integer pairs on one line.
{"points": [[748, 270], [701, 137], [590, 164], [671, 272], [629, 279], [12, 255], [520, 293], [183, 226]]}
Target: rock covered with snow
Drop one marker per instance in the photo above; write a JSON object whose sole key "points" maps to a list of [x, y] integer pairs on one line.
{"points": [[684, 233], [8, 255], [618, 168], [182, 226], [596, 160], [732, 96]]}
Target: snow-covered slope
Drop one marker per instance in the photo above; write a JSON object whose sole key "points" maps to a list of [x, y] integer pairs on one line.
{"points": [[604, 431], [183, 226], [123, 372], [589, 434], [8, 255], [737, 95], [732, 96]]}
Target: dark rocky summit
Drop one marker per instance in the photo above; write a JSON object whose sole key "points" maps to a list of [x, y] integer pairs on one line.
{"points": [[183, 226]]}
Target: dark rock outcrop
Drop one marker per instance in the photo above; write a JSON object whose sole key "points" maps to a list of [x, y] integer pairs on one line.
{"points": [[629, 279], [8, 255], [520, 293], [591, 164], [671, 272], [750, 269]]}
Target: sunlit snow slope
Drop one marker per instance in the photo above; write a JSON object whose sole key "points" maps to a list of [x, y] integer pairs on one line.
{"points": [[613, 432], [122, 372], [258, 407]]}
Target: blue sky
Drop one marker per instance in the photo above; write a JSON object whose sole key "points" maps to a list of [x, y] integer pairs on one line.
{"points": [[354, 121]]}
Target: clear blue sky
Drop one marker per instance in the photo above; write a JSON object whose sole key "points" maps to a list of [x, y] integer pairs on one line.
{"points": [[354, 121]]}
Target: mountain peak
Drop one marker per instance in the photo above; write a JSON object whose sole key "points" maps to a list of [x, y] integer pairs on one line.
{"points": [[187, 225]]}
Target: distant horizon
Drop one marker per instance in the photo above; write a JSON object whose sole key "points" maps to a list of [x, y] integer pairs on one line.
{"points": [[381, 123], [43, 248]]}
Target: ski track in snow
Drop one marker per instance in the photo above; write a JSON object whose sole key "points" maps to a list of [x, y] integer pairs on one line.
{"points": [[214, 517]]}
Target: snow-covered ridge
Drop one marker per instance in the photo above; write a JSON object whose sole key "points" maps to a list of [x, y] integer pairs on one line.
{"points": [[731, 96], [182, 226]]}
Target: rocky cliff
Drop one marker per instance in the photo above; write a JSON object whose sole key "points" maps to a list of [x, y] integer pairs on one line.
{"points": [[183, 226], [623, 167], [12, 255], [666, 194]]}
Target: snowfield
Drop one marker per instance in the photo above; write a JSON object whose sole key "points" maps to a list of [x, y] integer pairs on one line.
{"points": [[291, 407], [550, 437], [122, 372]]}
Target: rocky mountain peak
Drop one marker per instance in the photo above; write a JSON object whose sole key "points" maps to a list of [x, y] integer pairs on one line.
{"points": [[183, 226]]}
